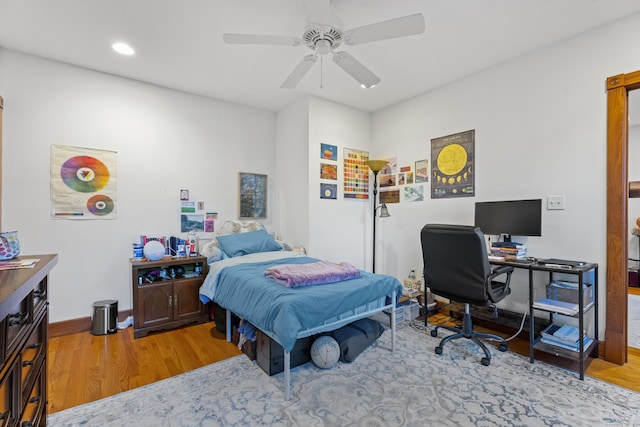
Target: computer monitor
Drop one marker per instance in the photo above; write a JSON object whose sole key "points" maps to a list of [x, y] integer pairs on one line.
{"points": [[510, 218]]}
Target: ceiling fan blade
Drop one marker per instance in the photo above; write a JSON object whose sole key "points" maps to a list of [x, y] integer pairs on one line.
{"points": [[261, 39], [355, 69], [299, 72], [319, 11], [393, 28]]}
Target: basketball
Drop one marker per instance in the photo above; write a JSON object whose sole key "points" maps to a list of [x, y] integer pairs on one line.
{"points": [[325, 352]]}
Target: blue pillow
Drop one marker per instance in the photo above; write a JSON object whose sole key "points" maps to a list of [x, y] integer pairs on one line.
{"points": [[247, 243]]}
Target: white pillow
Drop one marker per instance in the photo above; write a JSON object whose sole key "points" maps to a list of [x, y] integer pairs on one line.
{"points": [[211, 251]]}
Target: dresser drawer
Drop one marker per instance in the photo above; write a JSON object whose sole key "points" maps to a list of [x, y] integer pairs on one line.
{"points": [[33, 406], [17, 323], [40, 296], [6, 386], [32, 355]]}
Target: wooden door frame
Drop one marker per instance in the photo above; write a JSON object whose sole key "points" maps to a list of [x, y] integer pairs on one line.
{"points": [[618, 88]]}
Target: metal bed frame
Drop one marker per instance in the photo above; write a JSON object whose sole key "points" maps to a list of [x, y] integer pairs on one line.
{"points": [[352, 315]]}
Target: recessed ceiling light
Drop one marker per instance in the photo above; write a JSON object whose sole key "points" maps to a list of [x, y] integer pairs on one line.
{"points": [[123, 48]]}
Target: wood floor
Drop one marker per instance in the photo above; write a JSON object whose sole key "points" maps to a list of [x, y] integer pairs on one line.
{"points": [[83, 368]]}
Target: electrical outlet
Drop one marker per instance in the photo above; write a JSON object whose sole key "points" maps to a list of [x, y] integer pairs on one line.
{"points": [[555, 203]]}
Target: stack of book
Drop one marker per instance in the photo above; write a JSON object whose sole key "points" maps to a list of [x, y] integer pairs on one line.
{"points": [[564, 336], [509, 250]]}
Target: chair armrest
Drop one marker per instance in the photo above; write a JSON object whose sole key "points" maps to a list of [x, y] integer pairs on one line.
{"points": [[499, 271]]}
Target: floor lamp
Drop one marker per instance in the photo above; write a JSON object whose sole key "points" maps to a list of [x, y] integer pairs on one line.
{"points": [[376, 166]]}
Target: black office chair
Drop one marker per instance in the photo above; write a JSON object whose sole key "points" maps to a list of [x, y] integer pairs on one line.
{"points": [[456, 267]]}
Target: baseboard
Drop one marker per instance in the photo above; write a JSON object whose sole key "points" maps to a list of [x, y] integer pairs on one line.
{"points": [[76, 326]]}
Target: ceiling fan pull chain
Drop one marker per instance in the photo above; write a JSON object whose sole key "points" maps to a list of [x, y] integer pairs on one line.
{"points": [[321, 67]]}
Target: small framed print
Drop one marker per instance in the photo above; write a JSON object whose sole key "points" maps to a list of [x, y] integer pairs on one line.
{"points": [[184, 194], [253, 195]]}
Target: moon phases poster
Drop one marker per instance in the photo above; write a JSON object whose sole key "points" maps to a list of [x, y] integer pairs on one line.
{"points": [[83, 183], [452, 165]]}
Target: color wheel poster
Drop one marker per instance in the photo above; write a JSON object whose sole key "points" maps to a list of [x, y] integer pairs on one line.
{"points": [[83, 183]]}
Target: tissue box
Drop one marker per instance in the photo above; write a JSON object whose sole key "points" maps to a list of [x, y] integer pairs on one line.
{"points": [[561, 290]]}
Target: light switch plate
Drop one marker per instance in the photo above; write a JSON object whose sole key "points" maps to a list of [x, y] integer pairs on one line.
{"points": [[555, 203]]}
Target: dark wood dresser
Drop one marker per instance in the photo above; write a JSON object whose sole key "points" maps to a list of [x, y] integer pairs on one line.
{"points": [[24, 322]]}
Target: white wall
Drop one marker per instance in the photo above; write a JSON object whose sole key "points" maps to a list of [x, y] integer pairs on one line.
{"points": [[340, 230], [335, 230], [165, 140], [540, 123], [292, 176]]}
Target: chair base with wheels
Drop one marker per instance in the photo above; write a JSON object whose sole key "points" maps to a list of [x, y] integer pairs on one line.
{"points": [[468, 333]]}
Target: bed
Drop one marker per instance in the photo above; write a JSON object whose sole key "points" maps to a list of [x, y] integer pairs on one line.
{"points": [[237, 282]]}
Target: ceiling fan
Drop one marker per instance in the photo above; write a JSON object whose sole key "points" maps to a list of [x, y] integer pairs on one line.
{"points": [[324, 34]]}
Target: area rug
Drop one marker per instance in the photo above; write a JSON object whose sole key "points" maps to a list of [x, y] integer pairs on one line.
{"points": [[633, 334], [410, 387]]}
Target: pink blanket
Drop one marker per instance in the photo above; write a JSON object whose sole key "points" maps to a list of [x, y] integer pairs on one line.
{"points": [[315, 273]]}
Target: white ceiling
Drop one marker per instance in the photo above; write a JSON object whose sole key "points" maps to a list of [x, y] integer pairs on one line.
{"points": [[179, 42]]}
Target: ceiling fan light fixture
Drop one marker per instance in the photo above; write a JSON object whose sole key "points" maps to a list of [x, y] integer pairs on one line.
{"points": [[323, 47], [123, 48]]}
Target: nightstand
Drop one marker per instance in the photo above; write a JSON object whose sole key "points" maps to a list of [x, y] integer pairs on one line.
{"points": [[166, 293]]}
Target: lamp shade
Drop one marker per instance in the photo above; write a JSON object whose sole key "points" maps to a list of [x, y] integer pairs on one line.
{"points": [[376, 165], [384, 212]]}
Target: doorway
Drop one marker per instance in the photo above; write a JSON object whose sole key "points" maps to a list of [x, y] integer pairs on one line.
{"points": [[633, 141], [618, 88]]}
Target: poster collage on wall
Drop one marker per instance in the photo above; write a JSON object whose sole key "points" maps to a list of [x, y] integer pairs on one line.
{"points": [[452, 169], [328, 171]]}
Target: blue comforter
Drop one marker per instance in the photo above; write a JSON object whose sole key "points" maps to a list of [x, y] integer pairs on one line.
{"points": [[283, 312]]}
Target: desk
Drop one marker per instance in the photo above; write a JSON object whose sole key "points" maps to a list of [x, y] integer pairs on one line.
{"points": [[534, 343]]}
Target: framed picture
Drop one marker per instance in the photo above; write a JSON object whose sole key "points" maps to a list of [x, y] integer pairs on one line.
{"points": [[253, 195]]}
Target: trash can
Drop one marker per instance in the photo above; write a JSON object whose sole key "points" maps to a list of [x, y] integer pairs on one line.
{"points": [[105, 317]]}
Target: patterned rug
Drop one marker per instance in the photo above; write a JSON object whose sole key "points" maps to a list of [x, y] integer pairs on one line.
{"points": [[410, 387], [633, 338]]}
